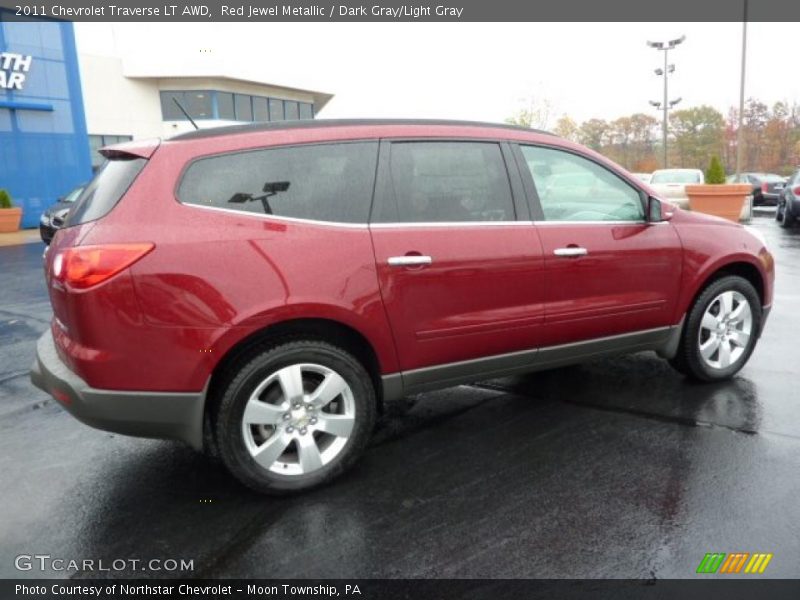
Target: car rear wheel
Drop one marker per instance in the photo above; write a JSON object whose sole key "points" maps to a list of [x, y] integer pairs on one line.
{"points": [[295, 417], [721, 330]]}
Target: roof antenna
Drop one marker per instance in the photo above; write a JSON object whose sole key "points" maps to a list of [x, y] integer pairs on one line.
{"points": [[185, 114]]}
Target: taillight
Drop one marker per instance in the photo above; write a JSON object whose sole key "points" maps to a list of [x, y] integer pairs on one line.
{"points": [[796, 190], [83, 267], [764, 187]]}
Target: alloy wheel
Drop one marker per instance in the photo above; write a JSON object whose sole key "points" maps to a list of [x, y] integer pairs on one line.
{"points": [[725, 330], [298, 419]]}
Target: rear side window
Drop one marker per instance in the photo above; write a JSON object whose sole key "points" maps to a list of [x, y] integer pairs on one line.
{"points": [[105, 190], [329, 182], [450, 182]]}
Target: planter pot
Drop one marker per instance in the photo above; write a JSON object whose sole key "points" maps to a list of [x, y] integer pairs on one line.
{"points": [[10, 219], [724, 200]]}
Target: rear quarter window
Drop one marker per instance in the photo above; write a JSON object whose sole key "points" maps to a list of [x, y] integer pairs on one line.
{"points": [[326, 182], [105, 190]]}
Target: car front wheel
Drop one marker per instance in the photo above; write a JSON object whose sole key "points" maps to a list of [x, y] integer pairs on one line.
{"points": [[295, 416], [721, 330]]}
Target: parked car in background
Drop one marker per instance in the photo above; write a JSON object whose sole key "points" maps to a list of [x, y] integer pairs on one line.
{"points": [[53, 218], [299, 276], [670, 184], [643, 177], [767, 187], [789, 202]]}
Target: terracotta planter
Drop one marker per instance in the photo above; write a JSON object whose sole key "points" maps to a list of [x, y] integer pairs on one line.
{"points": [[10, 219], [723, 200]]}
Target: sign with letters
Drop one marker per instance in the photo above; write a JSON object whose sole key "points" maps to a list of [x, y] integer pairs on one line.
{"points": [[13, 70]]}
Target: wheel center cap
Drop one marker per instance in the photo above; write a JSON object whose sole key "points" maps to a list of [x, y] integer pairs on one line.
{"points": [[300, 417]]}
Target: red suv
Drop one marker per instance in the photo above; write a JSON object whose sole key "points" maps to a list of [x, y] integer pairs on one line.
{"points": [[261, 291]]}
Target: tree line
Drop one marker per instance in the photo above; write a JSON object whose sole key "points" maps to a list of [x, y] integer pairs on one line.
{"points": [[770, 136]]}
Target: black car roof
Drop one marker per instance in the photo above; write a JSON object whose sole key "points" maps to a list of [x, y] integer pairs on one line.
{"points": [[317, 123]]}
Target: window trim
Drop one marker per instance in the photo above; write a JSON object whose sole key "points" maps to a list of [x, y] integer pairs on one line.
{"points": [[384, 199], [279, 146], [533, 195]]}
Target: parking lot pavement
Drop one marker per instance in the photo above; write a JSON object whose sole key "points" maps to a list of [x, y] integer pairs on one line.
{"points": [[617, 468]]}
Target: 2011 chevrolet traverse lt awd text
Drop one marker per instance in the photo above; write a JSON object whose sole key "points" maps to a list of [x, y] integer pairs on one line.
{"points": [[262, 290]]}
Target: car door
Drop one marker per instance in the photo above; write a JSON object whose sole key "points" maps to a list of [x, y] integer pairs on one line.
{"points": [[609, 272], [459, 264]]}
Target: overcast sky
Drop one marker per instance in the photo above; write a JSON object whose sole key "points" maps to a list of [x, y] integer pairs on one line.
{"points": [[481, 71]]}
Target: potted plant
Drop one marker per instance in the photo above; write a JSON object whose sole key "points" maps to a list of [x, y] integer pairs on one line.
{"points": [[716, 197], [10, 215]]}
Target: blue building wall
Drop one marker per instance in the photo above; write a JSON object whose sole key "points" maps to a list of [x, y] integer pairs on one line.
{"points": [[44, 145]]}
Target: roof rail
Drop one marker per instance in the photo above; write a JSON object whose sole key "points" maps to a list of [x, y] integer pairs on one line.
{"points": [[315, 123]]}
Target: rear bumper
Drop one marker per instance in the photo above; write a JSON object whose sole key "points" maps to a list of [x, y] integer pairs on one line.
{"points": [[167, 415]]}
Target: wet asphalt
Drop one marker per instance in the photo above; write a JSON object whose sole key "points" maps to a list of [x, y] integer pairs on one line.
{"points": [[616, 468]]}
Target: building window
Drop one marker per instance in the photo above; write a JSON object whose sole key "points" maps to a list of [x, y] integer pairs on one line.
{"points": [[99, 141], [260, 109], [169, 110], [306, 110], [292, 112], [244, 107], [275, 109], [196, 102], [225, 106]]}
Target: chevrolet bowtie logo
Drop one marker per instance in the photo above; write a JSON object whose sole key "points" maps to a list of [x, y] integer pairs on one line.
{"points": [[738, 562]]}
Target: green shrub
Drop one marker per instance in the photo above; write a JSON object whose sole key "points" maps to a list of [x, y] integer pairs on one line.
{"points": [[715, 173], [5, 199]]}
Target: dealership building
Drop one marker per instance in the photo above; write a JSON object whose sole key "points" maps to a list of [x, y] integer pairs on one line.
{"points": [[59, 105]]}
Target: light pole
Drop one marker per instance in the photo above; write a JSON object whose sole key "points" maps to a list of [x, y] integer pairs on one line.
{"points": [[741, 96], [665, 47]]}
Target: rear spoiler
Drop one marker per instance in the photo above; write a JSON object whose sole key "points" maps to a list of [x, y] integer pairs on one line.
{"points": [[135, 149]]}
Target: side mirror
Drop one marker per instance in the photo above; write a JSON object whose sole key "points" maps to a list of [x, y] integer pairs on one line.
{"points": [[656, 211]]}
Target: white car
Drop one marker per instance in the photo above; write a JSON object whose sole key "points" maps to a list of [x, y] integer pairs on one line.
{"points": [[643, 177], [670, 184]]}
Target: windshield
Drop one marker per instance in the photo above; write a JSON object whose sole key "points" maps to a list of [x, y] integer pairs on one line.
{"points": [[676, 177]]}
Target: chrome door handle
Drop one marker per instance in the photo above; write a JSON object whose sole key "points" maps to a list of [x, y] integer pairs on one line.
{"points": [[571, 251], [409, 261]]}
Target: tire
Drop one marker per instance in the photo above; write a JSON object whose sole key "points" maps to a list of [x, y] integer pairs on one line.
{"points": [[285, 447], [785, 217], [721, 330]]}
